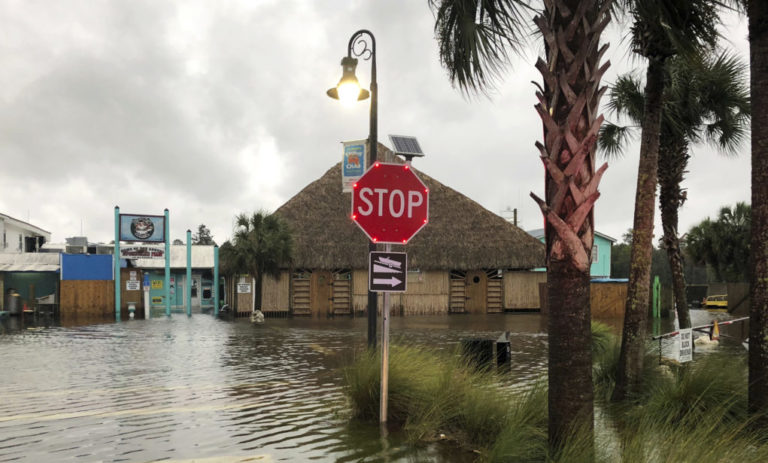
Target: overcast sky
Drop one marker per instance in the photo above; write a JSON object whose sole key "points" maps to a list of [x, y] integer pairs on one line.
{"points": [[210, 109]]}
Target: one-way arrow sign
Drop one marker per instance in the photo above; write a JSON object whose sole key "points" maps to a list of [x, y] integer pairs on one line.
{"points": [[387, 272]]}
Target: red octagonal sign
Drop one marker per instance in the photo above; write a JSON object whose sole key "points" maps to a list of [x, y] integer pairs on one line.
{"points": [[389, 203]]}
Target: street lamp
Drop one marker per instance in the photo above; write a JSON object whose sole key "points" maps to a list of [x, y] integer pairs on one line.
{"points": [[348, 91]]}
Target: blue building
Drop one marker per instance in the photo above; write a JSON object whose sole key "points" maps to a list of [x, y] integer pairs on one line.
{"points": [[601, 253]]}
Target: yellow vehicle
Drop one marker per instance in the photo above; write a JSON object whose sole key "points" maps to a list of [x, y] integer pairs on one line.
{"points": [[716, 302]]}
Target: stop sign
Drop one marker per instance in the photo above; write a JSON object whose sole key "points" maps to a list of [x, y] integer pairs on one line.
{"points": [[389, 203]]}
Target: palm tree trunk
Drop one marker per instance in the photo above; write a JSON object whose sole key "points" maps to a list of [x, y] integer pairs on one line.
{"points": [[570, 365], [758, 312], [636, 311], [673, 159], [568, 105]]}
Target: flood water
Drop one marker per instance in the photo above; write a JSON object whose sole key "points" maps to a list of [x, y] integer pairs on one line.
{"points": [[206, 390]]}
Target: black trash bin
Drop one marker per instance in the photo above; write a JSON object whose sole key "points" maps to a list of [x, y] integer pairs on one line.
{"points": [[478, 351], [503, 350]]}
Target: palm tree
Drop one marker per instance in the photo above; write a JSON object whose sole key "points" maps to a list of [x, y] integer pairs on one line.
{"points": [[660, 30], [474, 38], [705, 100], [262, 245], [723, 244], [757, 11]]}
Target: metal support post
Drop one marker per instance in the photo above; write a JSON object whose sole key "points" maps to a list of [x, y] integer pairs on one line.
{"points": [[385, 354], [117, 264]]}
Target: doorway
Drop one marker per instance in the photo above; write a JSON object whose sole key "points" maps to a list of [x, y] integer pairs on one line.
{"points": [[476, 290], [320, 293], [196, 291]]}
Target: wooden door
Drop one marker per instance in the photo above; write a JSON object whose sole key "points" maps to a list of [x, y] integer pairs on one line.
{"points": [[321, 285], [476, 289]]}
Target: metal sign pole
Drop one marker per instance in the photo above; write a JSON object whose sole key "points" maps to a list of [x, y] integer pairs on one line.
{"points": [[385, 354]]}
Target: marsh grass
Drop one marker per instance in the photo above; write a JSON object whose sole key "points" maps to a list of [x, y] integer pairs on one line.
{"points": [[432, 393], [714, 382], [696, 438], [694, 413]]}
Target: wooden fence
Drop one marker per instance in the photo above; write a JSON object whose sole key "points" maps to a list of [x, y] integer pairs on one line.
{"points": [[87, 299]]}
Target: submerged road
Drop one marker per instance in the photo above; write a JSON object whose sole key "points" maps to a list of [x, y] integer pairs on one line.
{"points": [[205, 390]]}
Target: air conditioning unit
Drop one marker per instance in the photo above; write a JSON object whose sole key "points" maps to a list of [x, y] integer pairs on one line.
{"points": [[76, 249]]}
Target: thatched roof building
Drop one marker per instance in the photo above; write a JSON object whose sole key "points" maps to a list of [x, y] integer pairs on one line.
{"points": [[460, 235]]}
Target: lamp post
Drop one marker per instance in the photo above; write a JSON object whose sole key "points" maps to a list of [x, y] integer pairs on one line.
{"points": [[348, 91]]}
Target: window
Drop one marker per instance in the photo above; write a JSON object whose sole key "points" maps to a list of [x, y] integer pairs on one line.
{"points": [[594, 253], [21, 241]]}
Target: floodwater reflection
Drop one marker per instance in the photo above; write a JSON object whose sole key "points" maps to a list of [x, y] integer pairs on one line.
{"points": [[196, 388]]}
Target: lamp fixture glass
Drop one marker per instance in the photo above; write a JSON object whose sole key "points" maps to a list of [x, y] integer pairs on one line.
{"points": [[348, 89]]}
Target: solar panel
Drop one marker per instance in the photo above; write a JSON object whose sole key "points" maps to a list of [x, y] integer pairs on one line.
{"points": [[407, 146]]}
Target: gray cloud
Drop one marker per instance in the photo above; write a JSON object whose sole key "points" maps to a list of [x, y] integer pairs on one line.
{"points": [[215, 109]]}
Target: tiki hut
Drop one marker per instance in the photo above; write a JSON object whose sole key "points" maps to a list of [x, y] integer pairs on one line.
{"points": [[466, 260]]}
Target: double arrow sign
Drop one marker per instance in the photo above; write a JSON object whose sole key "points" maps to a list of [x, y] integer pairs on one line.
{"points": [[387, 272]]}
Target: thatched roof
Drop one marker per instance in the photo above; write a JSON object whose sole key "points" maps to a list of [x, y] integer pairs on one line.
{"points": [[460, 235]]}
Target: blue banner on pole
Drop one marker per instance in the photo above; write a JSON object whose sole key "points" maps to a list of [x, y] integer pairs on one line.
{"points": [[353, 163]]}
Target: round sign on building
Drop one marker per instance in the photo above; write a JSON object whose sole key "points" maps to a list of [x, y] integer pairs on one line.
{"points": [[390, 203]]}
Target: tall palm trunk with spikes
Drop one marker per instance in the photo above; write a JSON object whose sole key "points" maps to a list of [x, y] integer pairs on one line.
{"points": [[673, 159], [636, 310], [568, 106]]}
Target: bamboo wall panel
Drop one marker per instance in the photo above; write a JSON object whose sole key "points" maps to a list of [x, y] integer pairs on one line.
{"points": [[230, 291], [244, 300], [427, 294], [360, 290], [88, 298], [608, 300], [275, 293], [521, 289]]}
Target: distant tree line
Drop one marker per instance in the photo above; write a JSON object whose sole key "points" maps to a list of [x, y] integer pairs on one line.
{"points": [[715, 250]]}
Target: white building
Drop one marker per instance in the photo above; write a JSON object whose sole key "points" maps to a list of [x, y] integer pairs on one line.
{"points": [[18, 236]]}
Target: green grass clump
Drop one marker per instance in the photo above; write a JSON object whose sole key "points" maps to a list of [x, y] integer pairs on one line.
{"points": [[524, 439], [684, 413], [602, 338], [687, 392], [432, 393], [699, 437]]}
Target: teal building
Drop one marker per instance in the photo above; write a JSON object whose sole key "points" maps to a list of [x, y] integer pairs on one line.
{"points": [[200, 281], [601, 253]]}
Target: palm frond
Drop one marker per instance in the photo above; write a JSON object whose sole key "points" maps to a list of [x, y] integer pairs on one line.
{"points": [[627, 98], [665, 28], [475, 38], [612, 139]]}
